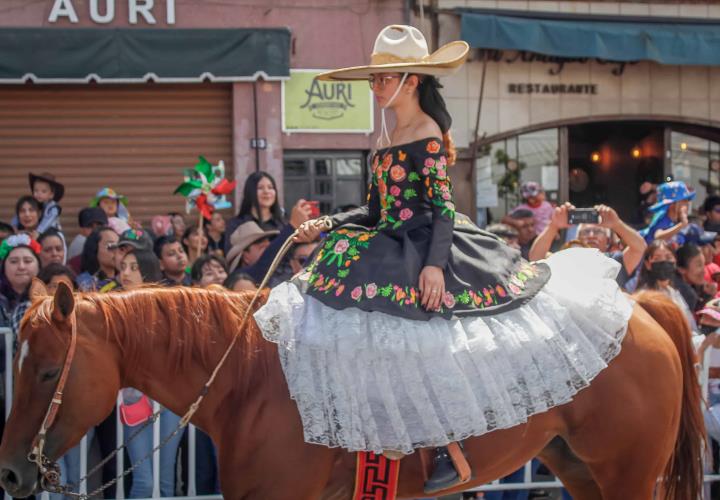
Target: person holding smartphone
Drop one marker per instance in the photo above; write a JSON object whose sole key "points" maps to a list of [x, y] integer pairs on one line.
{"points": [[595, 235]]}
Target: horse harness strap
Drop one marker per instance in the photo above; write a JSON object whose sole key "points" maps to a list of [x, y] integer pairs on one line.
{"points": [[44, 465]]}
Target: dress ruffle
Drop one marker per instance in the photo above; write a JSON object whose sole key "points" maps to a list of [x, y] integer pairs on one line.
{"points": [[371, 381]]}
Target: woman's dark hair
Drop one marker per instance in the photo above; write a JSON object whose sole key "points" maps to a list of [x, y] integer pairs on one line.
{"points": [[197, 267], [250, 199], [48, 233], [32, 201], [646, 280], [433, 104], [88, 261], [235, 277], [149, 266], [188, 232], [686, 253], [5, 288], [5, 227], [48, 272]]}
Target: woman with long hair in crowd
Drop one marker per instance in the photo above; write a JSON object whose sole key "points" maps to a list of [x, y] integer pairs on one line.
{"points": [[97, 264], [260, 204], [195, 242], [19, 264]]}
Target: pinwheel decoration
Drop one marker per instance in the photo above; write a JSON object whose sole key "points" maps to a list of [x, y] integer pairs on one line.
{"points": [[205, 188]]}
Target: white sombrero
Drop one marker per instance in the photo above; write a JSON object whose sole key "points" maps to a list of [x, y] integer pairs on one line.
{"points": [[400, 48]]}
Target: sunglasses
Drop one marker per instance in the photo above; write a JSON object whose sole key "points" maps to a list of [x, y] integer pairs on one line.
{"points": [[380, 82]]}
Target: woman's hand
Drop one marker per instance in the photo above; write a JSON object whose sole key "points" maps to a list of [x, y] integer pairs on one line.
{"points": [[300, 213], [432, 287], [309, 231]]}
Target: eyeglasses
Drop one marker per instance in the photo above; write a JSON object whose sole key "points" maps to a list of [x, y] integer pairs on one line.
{"points": [[592, 231], [716, 209], [380, 82]]}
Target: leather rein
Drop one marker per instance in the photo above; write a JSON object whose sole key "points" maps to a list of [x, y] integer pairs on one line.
{"points": [[49, 470]]}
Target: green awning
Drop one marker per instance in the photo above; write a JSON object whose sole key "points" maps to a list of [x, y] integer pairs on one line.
{"points": [[616, 38], [81, 55]]}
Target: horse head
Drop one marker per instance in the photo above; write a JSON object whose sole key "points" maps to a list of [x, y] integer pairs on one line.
{"points": [[88, 396]]}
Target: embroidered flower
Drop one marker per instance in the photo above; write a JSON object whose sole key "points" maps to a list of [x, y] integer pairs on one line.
{"points": [[405, 214], [429, 162], [426, 171], [341, 246], [370, 290], [514, 289], [450, 206], [339, 290], [449, 300], [394, 190], [398, 203], [442, 161], [397, 173], [501, 291], [356, 293], [446, 196], [433, 147], [387, 161], [402, 156]]}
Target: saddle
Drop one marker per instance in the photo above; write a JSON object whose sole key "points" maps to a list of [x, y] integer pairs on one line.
{"points": [[376, 476]]}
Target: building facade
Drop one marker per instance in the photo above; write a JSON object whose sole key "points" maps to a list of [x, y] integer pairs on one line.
{"points": [[128, 93], [591, 128]]}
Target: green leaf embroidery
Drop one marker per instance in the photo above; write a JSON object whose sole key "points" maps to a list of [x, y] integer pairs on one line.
{"points": [[343, 273], [385, 291], [409, 193], [464, 297], [413, 176]]}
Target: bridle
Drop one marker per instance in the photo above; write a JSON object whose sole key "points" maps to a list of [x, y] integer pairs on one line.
{"points": [[50, 471]]}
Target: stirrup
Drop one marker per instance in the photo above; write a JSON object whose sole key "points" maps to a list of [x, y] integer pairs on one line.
{"points": [[451, 456]]}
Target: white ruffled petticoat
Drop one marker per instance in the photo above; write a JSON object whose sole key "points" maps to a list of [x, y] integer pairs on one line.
{"points": [[374, 382]]}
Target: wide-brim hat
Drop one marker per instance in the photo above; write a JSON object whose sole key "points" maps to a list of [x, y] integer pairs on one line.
{"points": [[58, 189], [108, 193], [245, 235], [671, 192], [401, 48]]}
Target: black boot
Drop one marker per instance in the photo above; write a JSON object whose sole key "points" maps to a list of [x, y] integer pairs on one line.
{"points": [[444, 475]]}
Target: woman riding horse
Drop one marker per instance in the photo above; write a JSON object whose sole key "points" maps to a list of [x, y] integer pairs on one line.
{"points": [[412, 327]]}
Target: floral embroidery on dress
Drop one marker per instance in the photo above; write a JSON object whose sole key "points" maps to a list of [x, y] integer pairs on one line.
{"points": [[490, 295], [439, 189], [342, 247]]}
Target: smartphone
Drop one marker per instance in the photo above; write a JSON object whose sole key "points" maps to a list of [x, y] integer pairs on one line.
{"points": [[583, 216], [314, 209]]}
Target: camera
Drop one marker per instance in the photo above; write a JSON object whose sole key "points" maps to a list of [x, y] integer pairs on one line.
{"points": [[583, 216]]}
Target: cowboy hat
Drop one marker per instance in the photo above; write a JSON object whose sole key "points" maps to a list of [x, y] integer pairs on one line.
{"points": [[58, 189], [245, 235], [671, 192], [400, 48]]}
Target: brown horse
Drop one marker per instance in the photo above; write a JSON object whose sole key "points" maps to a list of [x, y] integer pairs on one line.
{"points": [[640, 420]]}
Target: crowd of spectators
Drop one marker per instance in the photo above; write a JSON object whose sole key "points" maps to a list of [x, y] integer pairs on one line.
{"points": [[677, 252], [112, 252]]}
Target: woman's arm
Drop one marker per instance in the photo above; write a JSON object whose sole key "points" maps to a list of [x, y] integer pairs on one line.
{"points": [[433, 166]]}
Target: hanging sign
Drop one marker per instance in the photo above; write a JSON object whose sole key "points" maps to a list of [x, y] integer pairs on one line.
{"points": [[311, 105]]}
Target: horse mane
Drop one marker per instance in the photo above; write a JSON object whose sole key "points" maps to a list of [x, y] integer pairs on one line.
{"points": [[189, 323]]}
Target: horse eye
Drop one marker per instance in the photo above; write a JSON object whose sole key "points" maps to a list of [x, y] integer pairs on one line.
{"points": [[50, 375]]}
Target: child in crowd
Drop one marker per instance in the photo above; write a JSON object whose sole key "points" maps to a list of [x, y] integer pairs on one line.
{"points": [[112, 203], [47, 192]]}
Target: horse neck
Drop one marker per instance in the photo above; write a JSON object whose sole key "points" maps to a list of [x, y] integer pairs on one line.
{"points": [[170, 348]]}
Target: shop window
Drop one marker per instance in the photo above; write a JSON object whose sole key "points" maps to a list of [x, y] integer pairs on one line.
{"points": [[695, 161], [333, 179], [504, 165]]}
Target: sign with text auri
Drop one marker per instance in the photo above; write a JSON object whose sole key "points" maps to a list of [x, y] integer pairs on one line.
{"points": [[311, 105]]}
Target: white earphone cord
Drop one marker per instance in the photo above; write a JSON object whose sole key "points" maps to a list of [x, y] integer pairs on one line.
{"points": [[384, 134]]}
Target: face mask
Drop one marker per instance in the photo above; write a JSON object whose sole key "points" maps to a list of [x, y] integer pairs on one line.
{"points": [[707, 329], [662, 270]]}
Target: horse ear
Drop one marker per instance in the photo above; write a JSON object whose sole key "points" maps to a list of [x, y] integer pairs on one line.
{"points": [[63, 303], [38, 290]]}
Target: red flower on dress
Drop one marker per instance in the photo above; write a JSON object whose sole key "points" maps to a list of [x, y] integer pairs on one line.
{"points": [[397, 173], [371, 290], [356, 293], [405, 214], [394, 190], [433, 147], [449, 300]]}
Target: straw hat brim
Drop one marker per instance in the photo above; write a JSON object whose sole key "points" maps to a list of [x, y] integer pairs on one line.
{"points": [[443, 62]]}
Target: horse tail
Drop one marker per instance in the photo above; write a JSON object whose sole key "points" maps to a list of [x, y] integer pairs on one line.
{"points": [[684, 471]]}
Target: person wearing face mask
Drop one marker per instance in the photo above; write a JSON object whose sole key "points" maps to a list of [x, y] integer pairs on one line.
{"points": [[658, 272]]}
